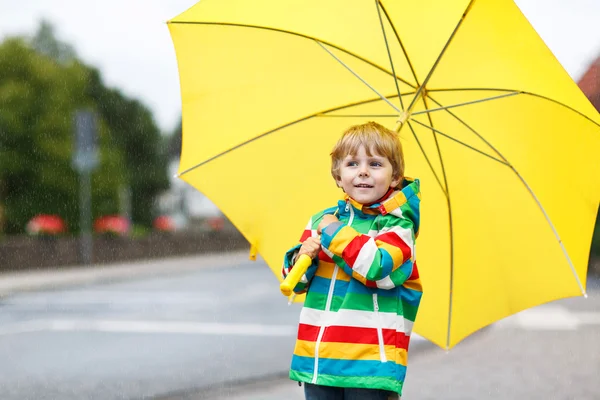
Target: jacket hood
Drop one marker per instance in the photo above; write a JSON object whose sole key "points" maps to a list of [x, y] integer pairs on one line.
{"points": [[402, 203]]}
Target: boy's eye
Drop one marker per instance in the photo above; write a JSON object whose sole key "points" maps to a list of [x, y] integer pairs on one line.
{"points": [[352, 163], [375, 164]]}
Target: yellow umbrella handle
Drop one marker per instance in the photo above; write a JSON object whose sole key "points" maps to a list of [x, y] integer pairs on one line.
{"points": [[292, 279]]}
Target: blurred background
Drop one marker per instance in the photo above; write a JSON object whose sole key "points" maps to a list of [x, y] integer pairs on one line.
{"points": [[90, 136], [115, 64], [116, 61]]}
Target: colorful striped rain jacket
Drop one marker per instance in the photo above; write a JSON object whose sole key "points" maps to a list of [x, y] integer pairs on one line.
{"points": [[363, 293]]}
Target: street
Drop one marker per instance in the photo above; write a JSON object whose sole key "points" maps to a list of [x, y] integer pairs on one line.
{"points": [[203, 328], [550, 352], [146, 337]]}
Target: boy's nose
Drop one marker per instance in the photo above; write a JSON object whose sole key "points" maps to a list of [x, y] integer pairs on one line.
{"points": [[363, 173]]}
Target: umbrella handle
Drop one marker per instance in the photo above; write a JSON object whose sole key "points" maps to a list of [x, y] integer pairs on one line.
{"points": [[292, 279]]}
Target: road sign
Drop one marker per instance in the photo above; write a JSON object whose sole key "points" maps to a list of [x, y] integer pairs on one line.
{"points": [[85, 160], [85, 152]]}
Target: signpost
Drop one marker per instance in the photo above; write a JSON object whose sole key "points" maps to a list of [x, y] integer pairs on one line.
{"points": [[85, 160]]}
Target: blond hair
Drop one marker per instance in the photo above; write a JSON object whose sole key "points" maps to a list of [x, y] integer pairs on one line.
{"points": [[376, 139]]}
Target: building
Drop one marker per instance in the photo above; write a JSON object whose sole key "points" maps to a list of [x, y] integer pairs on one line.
{"points": [[183, 203], [590, 83]]}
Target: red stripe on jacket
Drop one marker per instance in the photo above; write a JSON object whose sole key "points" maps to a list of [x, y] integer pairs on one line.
{"points": [[415, 273], [393, 239], [305, 235], [350, 334], [353, 248]]}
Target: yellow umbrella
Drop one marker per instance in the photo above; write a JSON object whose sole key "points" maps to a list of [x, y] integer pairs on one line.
{"points": [[504, 143]]}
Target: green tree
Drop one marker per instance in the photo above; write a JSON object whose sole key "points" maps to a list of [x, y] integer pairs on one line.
{"points": [[173, 142], [44, 42], [133, 128], [38, 98], [595, 251], [42, 84]]}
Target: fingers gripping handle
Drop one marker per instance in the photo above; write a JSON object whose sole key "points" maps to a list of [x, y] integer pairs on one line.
{"points": [[292, 279]]}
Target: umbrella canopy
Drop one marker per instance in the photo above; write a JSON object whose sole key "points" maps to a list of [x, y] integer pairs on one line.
{"points": [[504, 143]]}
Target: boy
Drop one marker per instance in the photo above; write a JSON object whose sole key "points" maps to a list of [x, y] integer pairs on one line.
{"points": [[363, 288]]}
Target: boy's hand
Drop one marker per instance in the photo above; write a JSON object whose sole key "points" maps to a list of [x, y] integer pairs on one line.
{"points": [[327, 219], [310, 247]]}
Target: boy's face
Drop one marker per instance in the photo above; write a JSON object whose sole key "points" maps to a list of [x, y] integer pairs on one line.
{"points": [[366, 178]]}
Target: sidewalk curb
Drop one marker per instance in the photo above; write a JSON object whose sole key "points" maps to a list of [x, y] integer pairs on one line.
{"points": [[61, 278]]}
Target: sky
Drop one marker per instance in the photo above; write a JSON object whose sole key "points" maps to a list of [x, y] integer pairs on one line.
{"points": [[129, 42]]}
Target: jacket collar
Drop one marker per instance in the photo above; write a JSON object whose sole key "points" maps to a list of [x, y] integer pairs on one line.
{"points": [[392, 200]]}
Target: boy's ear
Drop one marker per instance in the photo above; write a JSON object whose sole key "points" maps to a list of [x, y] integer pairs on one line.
{"points": [[395, 182]]}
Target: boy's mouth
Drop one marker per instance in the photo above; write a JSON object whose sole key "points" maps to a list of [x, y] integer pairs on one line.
{"points": [[363, 186]]}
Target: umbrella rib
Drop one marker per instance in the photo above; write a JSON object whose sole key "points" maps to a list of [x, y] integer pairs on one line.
{"points": [[359, 115], [388, 115], [459, 142], [387, 46], [437, 178], [395, 116], [387, 16], [359, 77], [430, 110], [317, 114], [450, 223], [535, 198], [515, 91], [324, 115], [480, 89], [299, 35], [439, 58], [437, 145]]}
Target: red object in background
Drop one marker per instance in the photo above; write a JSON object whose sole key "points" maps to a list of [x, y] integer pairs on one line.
{"points": [[114, 224], [216, 223], [164, 223], [590, 83], [46, 224]]}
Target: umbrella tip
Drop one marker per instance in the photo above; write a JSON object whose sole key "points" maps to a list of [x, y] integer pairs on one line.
{"points": [[253, 252], [585, 296], [176, 176]]}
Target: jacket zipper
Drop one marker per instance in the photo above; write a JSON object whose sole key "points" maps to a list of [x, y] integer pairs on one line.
{"points": [[382, 355], [323, 327], [328, 306]]}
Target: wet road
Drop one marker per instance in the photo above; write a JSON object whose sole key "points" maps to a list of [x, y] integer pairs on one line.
{"points": [[195, 328], [147, 337]]}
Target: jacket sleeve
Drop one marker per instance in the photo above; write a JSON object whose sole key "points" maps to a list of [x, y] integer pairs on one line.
{"points": [[384, 261], [292, 254]]}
